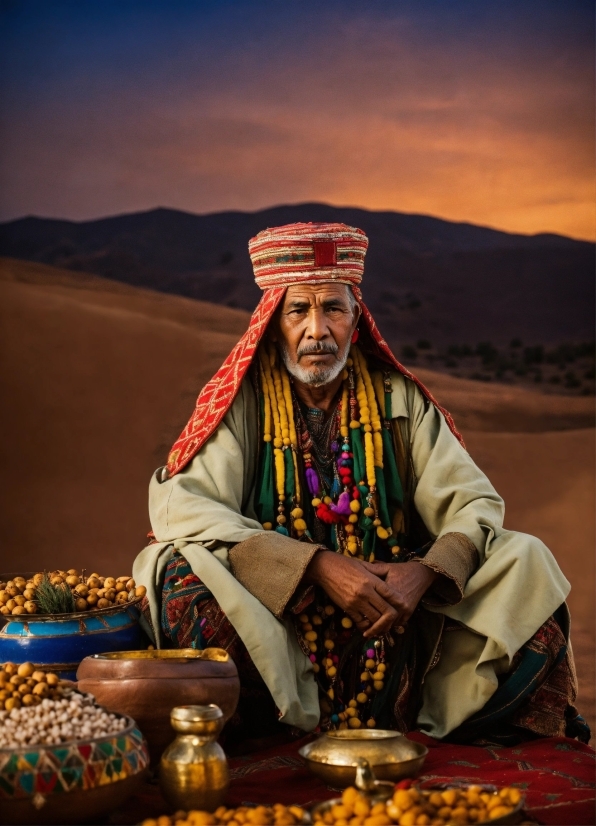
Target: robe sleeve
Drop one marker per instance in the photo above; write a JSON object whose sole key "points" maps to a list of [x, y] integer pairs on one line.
{"points": [[271, 567], [455, 559], [455, 500]]}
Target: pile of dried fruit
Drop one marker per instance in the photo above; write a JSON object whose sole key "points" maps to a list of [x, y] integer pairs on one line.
{"points": [[407, 807], [414, 807], [276, 815], [22, 685], [64, 592], [47, 711]]}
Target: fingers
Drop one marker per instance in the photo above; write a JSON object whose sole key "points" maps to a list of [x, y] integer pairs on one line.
{"points": [[386, 617], [379, 569], [383, 625], [366, 613], [374, 623], [379, 601], [389, 595], [403, 611], [371, 603]]}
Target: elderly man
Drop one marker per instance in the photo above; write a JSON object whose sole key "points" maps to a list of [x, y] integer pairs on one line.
{"points": [[320, 519]]}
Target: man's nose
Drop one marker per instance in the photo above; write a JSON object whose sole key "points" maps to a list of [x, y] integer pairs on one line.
{"points": [[317, 327]]}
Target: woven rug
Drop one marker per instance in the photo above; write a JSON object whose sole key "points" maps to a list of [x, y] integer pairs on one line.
{"points": [[556, 774]]}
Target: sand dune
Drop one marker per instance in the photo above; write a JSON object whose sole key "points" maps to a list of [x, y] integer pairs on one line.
{"points": [[506, 408], [98, 378]]}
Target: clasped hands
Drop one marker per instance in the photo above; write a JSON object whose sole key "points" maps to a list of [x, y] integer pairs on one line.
{"points": [[378, 596]]}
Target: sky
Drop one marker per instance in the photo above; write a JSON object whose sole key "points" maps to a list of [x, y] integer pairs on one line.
{"points": [[469, 110]]}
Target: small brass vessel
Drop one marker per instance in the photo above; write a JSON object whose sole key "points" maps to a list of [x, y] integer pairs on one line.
{"points": [[334, 756], [193, 772]]}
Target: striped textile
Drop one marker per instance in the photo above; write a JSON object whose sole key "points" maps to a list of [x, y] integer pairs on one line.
{"points": [[298, 253]]}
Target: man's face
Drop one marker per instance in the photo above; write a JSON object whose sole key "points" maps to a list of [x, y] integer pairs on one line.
{"points": [[313, 329]]}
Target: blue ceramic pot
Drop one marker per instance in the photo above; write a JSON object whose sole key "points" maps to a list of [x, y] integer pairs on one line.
{"points": [[58, 642]]}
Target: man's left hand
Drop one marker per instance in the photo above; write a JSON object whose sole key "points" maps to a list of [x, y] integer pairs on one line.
{"points": [[409, 581]]}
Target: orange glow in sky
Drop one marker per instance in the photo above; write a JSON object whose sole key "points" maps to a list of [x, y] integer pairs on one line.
{"points": [[400, 107]]}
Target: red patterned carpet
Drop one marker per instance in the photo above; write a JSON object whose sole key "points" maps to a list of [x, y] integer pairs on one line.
{"points": [[556, 774]]}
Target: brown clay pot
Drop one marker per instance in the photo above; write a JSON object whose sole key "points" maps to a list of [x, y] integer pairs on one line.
{"points": [[146, 685]]}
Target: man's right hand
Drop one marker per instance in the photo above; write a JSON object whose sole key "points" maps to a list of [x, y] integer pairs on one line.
{"points": [[363, 596]]}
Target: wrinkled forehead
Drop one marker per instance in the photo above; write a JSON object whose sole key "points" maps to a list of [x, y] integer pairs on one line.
{"points": [[318, 293]]}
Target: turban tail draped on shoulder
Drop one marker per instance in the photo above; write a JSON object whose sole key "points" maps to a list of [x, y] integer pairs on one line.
{"points": [[310, 253]]}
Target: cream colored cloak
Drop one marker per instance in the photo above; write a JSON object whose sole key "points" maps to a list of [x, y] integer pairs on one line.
{"points": [[208, 508]]}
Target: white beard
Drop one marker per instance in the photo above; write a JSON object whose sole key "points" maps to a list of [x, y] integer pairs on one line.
{"points": [[315, 376]]}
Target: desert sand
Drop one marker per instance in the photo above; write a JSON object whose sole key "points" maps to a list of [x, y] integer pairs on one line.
{"points": [[98, 379]]}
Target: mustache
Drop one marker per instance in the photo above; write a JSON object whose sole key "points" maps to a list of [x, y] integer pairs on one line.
{"points": [[323, 347]]}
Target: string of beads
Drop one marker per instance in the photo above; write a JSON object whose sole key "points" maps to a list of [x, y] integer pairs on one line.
{"points": [[359, 459], [353, 505]]}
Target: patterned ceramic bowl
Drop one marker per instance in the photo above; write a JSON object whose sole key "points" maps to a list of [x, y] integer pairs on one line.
{"points": [[72, 782], [58, 642]]}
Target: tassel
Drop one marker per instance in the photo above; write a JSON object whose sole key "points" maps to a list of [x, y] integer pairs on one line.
{"points": [[343, 505], [312, 481], [282, 530], [335, 488], [326, 514]]}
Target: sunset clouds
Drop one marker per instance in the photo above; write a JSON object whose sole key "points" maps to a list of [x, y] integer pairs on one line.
{"points": [[473, 111]]}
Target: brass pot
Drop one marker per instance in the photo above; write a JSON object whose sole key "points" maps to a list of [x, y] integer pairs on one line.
{"points": [[193, 772], [147, 684], [334, 756]]}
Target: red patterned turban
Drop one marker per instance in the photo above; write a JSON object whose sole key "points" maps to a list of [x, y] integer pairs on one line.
{"points": [[281, 257], [307, 253]]}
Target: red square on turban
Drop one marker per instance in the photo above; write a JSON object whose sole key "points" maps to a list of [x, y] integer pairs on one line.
{"points": [[325, 253]]}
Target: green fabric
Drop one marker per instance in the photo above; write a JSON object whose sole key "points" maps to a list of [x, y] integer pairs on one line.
{"points": [[290, 482], [334, 539], [393, 486], [383, 509], [265, 498], [358, 451], [368, 542]]}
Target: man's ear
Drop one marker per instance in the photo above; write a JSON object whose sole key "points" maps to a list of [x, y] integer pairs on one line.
{"points": [[357, 314]]}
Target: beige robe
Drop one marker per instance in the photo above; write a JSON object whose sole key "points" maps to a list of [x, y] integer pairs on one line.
{"points": [[209, 507]]}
